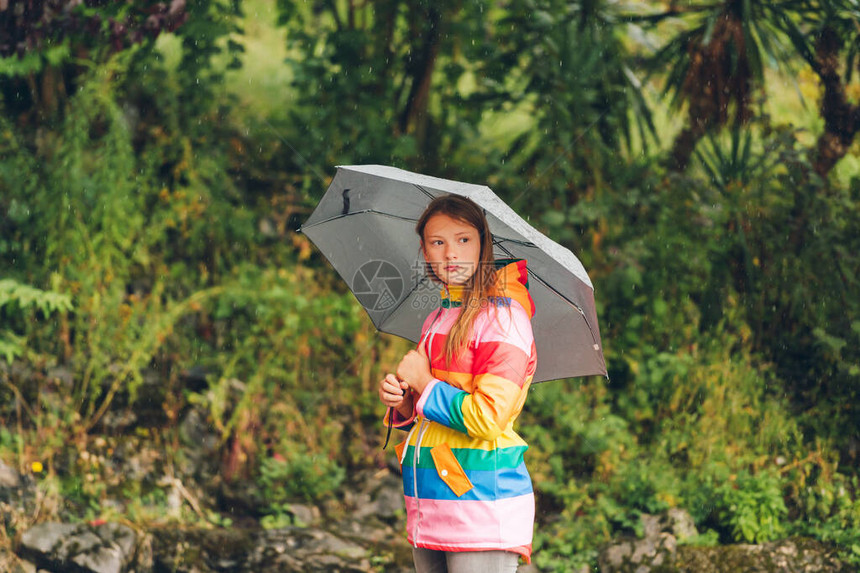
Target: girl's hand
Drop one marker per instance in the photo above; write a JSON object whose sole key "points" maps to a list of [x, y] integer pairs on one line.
{"points": [[414, 369], [391, 391]]}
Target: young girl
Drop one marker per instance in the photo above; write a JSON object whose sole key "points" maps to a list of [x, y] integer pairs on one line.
{"points": [[469, 499]]}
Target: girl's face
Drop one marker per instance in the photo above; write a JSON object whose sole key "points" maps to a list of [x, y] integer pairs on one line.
{"points": [[452, 248]]}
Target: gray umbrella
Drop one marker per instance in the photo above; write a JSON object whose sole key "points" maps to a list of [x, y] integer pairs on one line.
{"points": [[365, 227]]}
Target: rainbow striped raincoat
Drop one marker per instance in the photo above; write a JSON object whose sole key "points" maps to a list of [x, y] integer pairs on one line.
{"points": [[464, 478]]}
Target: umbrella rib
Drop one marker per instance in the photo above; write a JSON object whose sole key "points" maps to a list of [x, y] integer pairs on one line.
{"points": [[550, 287], [406, 297], [425, 191], [499, 241], [576, 306], [362, 212]]}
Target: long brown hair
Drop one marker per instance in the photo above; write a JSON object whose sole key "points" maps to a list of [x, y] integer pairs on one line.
{"points": [[477, 289]]}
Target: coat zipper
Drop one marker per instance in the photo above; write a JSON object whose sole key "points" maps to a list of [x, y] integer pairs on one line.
{"points": [[416, 455]]}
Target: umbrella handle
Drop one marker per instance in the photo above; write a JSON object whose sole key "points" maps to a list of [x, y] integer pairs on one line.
{"points": [[390, 424]]}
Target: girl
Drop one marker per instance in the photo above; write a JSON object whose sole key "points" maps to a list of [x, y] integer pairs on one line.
{"points": [[469, 498]]}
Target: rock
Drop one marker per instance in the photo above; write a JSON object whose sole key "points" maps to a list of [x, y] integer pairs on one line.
{"points": [[304, 515], [659, 552], [676, 521], [198, 550], [43, 538], [9, 478], [652, 525], [11, 563], [284, 550], [196, 431], [137, 462], [267, 227], [19, 500], [195, 378], [107, 548], [61, 374], [118, 421], [680, 523], [202, 458], [239, 498], [368, 531], [639, 555], [310, 550], [656, 549], [387, 499], [380, 495], [794, 555]]}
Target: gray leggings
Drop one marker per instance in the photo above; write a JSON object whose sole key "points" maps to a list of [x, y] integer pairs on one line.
{"points": [[430, 561]]}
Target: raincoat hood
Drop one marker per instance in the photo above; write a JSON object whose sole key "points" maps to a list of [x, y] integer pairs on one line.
{"points": [[512, 283]]}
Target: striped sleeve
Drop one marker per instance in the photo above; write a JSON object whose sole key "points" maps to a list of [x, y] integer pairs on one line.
{"points": [[503, 366]]}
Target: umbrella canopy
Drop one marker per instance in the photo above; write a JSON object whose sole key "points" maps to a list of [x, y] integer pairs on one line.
{"points": [[365, 227]]}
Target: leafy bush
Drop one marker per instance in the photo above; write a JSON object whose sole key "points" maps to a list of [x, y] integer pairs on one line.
{"points": [[299, 475], [752, 508], [15, 300]]}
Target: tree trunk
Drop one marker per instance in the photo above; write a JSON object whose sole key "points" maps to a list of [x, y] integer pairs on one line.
{"points": [[841, 118], [685, 143], [414, 114]]}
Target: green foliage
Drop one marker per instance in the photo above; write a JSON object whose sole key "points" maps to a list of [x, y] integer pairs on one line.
{"points": [[355, 72], [812, 19], [110, 195], [207, 39], [829, 501], [300, 475], [598, 107], [706, 38], [268, 382], [685, 438], [13, 293], [15, 300], [35, 61], [99, 235], [752, 507], [701, 301], [840, 527]]}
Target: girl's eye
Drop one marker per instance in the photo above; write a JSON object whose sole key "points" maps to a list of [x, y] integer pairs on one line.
{"points": [[437, 242], [464, 240]]}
